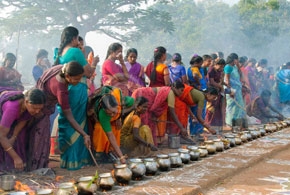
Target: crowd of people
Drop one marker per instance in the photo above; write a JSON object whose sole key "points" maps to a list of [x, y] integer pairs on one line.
{"points": [[135, 108]]}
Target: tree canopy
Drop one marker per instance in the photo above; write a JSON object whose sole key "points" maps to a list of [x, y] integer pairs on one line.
{"points": [[120, 19]]}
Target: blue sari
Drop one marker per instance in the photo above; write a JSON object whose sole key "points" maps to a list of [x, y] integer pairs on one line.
{"points": [[235, 106], [283, 84], [74, 154]]}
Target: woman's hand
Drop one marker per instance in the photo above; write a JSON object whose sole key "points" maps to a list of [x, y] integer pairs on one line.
{"points": [[184, 132], [18, 163], [211, 130], [123, 159], [152, 147], [87, 141]]}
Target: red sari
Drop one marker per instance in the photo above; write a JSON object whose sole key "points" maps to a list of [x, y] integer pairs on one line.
{"points": [[157, 107], [159, 82]]}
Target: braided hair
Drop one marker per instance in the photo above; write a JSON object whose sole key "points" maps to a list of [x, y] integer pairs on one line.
{"points": [[158, 53], [67, 35]]}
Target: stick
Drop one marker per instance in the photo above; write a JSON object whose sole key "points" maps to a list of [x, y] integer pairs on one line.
{"points": [[34, 182], [93, 157]]}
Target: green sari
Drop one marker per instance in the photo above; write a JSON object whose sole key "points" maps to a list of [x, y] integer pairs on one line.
{"points": [[74, 154]]}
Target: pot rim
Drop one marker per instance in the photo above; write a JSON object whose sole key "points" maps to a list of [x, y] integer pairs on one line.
{"points": [[66, 185], [85, 178], [44, 191], [162, 156], [103, 175]]}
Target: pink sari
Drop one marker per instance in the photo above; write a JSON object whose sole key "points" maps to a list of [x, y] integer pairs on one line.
{"points": [[109, 69], [157, 107]]}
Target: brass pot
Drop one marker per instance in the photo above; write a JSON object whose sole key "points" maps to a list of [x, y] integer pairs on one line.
{"points": [[226, 143], [203, 151], [44, 192], [163, 162], [67, 188], [238, 140], [175, 160], [193, 152], [262, 131], [151, 166], [83, 182], [122, 174], [105, 181], [137, 167], [210, 146], [184, 155], [219, 145], [231, 138], [243, 136]]}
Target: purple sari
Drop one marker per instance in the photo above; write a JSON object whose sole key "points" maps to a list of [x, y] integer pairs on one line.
{"points": [[136, 73], [7, 163]]}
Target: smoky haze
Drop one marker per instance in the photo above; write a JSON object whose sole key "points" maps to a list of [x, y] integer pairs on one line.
{"points": [[203, 28]]}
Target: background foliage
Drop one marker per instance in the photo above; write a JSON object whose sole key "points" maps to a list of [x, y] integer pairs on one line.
{"points": [[255, 28]]}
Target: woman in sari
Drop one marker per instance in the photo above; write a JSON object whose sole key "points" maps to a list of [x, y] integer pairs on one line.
{"points": [[215, 110], [17, 109], [54, 82], [283, 83], [251, 72], [157, 71], [107, 104], [112, 73], [160, 99], [78, 97], [136, 138], [235, 107], [9, 77], [135, 70], [261, 108], [193, 97]]}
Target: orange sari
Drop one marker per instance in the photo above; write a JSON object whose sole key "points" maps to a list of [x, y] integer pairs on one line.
{"points": [[181, 110], [100, 139]]}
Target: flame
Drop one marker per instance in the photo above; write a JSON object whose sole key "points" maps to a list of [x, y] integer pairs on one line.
{"points": [[205, 138], [58, 178], [22, 187], [183, 147]]}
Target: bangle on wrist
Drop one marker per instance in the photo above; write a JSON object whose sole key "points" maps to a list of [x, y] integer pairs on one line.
{"points": [[10, 148], [122, 157]]}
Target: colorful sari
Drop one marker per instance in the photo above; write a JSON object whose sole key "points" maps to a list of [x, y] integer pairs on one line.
{"points": [[128, 142], [100, 139], [157, 107], [283, 85], [160, 68], [215, 109], [109, 69], [182, 105], [7, 163], [136, 73], [74, 154], [39, 142], [9, 77], [235, 108]]}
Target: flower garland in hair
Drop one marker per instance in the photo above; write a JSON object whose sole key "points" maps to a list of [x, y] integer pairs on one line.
{"points": [[64, 68]]}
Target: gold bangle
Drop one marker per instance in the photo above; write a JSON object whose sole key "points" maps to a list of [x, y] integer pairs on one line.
{"points": [[122, 157], [10, 148]]}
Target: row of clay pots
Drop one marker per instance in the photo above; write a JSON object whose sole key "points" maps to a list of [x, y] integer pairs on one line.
{"points": [[137, 168]]}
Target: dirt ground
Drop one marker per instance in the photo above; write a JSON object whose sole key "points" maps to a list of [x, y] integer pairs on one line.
{"points": [[191, 176]]}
